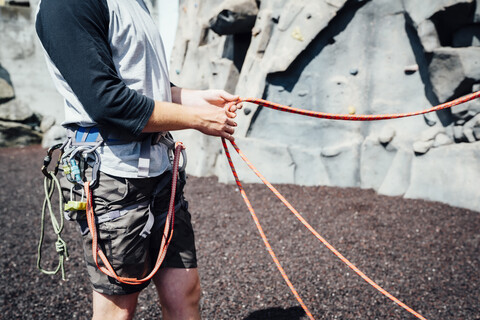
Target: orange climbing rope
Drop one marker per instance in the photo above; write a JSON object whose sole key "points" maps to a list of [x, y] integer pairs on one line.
{"points": [[324, 115], [354, 117], [308, 226], [167, 233]]}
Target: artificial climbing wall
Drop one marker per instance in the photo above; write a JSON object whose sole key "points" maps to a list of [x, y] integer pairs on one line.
{"points": [[363, 57]]}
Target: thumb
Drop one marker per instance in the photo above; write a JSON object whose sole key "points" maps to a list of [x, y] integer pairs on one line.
{"points": [[229, 97]]}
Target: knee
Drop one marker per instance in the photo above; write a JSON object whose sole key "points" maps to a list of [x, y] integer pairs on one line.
{"points": [[119, 314], [186, 298], [196, 292], [120, 307]]}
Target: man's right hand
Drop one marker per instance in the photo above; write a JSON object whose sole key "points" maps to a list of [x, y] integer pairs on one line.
{"points": [[216, 121], [208, 111]]}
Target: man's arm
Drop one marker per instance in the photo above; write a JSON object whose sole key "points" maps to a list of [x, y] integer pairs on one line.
{"points": [[208, 111], [75, 36]]}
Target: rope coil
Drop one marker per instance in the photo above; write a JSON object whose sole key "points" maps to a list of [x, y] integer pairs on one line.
{"points": [[97, 252], [51, 183]]}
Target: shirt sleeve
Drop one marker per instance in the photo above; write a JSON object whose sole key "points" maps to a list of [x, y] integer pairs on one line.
{"points": [[74, 34]]}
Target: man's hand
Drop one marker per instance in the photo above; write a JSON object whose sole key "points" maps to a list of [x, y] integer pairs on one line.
{"points": [[208, 111], [216, 121], [201, 98]]}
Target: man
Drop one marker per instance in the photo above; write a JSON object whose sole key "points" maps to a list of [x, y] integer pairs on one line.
{"points": [[106, 58]]}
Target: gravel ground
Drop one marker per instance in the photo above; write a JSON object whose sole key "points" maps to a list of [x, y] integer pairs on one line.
{"points": [[424, 253]]}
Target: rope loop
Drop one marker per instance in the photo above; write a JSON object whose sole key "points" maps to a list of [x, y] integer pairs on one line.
{"points": [[97, 251], [51, 184]]}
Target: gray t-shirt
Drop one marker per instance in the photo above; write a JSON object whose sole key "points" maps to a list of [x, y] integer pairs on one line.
{"points": [[107, 60]]}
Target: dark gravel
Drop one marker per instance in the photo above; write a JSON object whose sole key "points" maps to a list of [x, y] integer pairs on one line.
{"points": [[424, 253]]}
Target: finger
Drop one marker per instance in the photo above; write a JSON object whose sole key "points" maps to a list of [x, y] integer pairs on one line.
{"points": [[236, 106], [230, 123], [230, 106], [228, 137], [230, 111], [231, 114], [233, 108], [229, 130], [228, 96]]}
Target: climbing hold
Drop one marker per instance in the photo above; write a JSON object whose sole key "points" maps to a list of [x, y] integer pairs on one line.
{"points": [[411, 69], [386, 134], [351, 110], [422, 147], [303, 93], [297, 34]]}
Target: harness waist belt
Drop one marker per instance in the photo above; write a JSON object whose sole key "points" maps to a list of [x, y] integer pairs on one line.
{"points": [[91, 136]]}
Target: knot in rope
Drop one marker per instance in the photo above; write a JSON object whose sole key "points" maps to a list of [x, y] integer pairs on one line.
{"points": [[61, 247]]}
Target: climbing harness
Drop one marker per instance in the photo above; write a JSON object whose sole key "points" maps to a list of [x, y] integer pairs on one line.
{"points": [[167, 233], [78, 153], [323, 115]]}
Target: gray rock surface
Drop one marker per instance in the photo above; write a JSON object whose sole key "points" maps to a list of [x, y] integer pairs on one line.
{"points": [[448, 174], [6, 88], [363, 57], [17, 134], [22, 56], [6, 91], [47, 123], [234, 17], [54, 135], [454, 70], [15, 110]]}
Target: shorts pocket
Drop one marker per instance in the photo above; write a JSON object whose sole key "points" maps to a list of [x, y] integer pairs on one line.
{"points": [[124, 247], [111, 193]]}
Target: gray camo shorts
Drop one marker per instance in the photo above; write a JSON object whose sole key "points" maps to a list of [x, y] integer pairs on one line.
{"points": [[130, 254]]}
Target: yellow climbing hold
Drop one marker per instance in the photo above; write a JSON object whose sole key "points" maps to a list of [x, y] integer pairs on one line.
{"points": [[297, 34], [351, 110]]}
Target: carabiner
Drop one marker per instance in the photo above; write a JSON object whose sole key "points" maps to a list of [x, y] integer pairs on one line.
{"points": [[48, 159]]}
